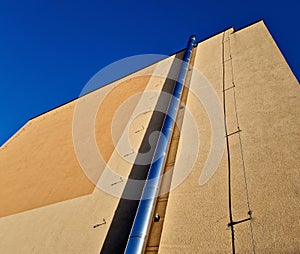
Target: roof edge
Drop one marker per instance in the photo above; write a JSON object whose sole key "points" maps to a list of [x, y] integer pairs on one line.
{"points": [[251, 24], [135, 71]]}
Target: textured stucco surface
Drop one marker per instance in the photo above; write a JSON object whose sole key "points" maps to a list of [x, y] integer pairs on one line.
{"points": [[196, 217], [66, 226], [267, 104], [41, 157], [48, 204]]}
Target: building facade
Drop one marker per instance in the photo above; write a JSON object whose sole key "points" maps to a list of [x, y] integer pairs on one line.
{"points": [[226, 188]]}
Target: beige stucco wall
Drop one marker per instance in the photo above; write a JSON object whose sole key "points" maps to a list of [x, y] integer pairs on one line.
{"points": [[196, 217], [66, 225], [267, 106], [54, 210]]}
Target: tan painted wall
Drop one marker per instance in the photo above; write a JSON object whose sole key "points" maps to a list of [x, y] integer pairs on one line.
{"points": [[267, 105], [196, 217], [67, 226], [31, 162], [54, 210]]}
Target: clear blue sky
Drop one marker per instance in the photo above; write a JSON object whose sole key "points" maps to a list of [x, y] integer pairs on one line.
{"points": [[50, 49]]}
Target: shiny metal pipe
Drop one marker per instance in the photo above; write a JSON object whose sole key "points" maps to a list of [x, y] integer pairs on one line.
{"points": [[141, 225]]}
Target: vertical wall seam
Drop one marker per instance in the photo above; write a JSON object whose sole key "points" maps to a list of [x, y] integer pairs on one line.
{"points": [[241, 149], [227, 147]]}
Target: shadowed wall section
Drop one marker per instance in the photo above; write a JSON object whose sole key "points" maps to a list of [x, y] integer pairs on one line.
{"points": [[40, 158]]}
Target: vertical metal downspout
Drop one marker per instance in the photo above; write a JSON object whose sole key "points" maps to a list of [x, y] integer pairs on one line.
{"points": [[138, 235]]}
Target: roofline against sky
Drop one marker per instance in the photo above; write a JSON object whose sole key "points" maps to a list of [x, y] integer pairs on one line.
{"points": [[146, 66], [118, 79]]}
